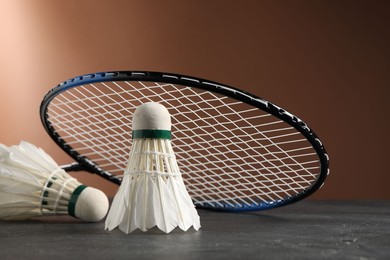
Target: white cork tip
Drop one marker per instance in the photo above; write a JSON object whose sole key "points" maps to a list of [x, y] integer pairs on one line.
{"points": [[151, 116], [92, 205]]}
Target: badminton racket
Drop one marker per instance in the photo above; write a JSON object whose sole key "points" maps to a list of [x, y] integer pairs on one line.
{"points": [[236, 151]]}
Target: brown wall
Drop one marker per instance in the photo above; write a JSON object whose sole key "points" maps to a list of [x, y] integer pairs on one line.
{"points": [[326, 61]]}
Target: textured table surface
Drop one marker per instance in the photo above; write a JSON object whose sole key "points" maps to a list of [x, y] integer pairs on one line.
{"points": [[305, 230]]}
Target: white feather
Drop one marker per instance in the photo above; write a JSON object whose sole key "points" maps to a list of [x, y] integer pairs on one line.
{"points": [[152, 192], [32, 184]]}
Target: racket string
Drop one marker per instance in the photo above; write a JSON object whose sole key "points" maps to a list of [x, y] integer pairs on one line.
{"points": [[228, 152]]}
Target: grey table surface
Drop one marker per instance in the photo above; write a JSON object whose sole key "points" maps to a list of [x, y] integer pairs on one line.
{"points": [[305, 230]]}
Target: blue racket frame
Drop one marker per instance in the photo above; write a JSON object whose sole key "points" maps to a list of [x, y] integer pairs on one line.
{"points": [[83, 163]]}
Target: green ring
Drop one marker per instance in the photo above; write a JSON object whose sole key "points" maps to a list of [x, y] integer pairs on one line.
{"points": [[154, 134], [73, 200]]}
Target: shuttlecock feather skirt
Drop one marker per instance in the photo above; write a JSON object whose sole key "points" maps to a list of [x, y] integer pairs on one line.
{"points": [[32, 184], [152, 192]]}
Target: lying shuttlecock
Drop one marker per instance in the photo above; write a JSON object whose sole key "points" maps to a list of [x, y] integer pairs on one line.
{"points": [[152, 192], [32, 184]]}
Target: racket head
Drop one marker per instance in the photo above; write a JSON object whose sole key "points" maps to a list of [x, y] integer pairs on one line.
{"points": [[236, 151]]}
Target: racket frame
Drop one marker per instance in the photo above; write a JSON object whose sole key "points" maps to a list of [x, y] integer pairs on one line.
{"points": [[85, 164]]}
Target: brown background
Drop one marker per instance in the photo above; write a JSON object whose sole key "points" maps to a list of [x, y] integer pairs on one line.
{"points": [[326, 61]]}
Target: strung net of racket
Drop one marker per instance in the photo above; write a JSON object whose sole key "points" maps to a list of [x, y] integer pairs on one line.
{"points": [[236, 151]]}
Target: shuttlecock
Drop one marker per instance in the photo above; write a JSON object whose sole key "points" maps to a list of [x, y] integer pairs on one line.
{"points": [[152, 192], [32, 184]]}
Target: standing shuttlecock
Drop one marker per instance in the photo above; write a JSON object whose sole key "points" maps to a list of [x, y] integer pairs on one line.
{"points": [[152, 192], [32, 184]]}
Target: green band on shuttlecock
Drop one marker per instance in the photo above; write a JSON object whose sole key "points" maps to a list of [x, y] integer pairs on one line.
{"points": [[73, 199], [156, 134]]}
